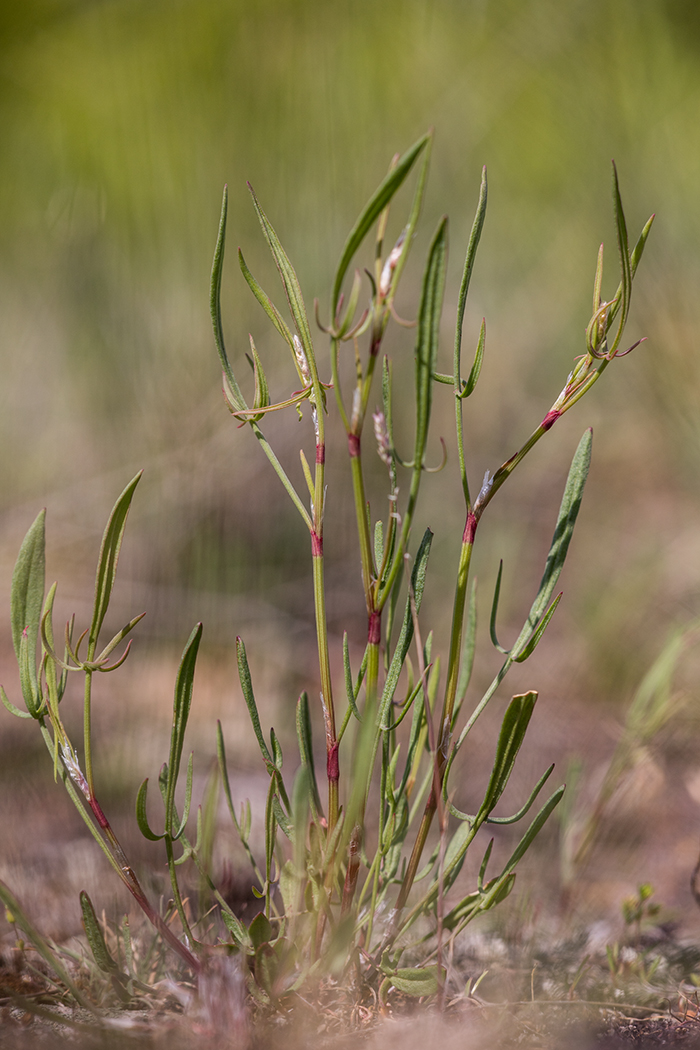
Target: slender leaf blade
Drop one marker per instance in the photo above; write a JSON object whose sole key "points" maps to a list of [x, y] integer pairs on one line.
{"points": [[428, 336], [108, 559], [376, 204], [181, 710], [563, 531], [26, 600]]}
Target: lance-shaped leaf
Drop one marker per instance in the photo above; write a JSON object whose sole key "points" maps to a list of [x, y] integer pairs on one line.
{"points": [[27, 596], [181, 711], [236, 397], [468, 652], [534, 830], [141, 816], [474, 239], [495, 891], [262, 390], [306, 754], [350, 690], [376, 204], [473, 379], [98, 946], [266, 302], [414, 981], [248, 696], [406, 635], [625, 269], [428, 336], [513, 729], [107, 562], [564, 529], [290, 281]]}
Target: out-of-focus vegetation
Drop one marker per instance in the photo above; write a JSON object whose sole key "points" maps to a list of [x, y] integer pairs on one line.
{"points": [[121, 121]]}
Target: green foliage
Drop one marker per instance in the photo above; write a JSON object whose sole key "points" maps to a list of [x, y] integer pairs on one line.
{"points": [[342, 859]]}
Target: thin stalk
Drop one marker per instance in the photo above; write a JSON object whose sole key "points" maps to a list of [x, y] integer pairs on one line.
{"points": [[358, 488], [117, 858], [87, 724], [177, 896]]}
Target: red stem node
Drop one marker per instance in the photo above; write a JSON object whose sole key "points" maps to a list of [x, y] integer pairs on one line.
{"points": [[470, 528], [316, 545], [374, 628], [321, 453], [550, 419], [332, 763], [353, 445], [99, 815]]}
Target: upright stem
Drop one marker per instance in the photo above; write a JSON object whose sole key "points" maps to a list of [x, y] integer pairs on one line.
{"points": [[444, 728], [332, 767], [87, 728]]}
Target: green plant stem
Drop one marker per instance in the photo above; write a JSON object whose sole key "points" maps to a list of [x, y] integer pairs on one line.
{"points": [[117, 858], [358, 488], [332, 768], [87, 726], [177, 896], [445, 724]]}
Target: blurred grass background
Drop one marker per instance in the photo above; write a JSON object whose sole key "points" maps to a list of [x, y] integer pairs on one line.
{"points": [[121, 121]]}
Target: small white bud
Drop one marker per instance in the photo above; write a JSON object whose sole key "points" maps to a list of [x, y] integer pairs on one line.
{"points": [[301, 360], [382, 437], [485, 488], [74, 770], [356, 408], [390, 266]]}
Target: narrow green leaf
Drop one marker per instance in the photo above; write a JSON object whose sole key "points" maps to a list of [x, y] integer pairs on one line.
{"points": [[277, 756], [623, 250], [237, 399], [468, 652], [564, 529], [188, 798], [639, 247], [262, 390], [107, 562], [524, 809], [415, 981], [474, 238], [306, 753], [410, 227], [494, 611], [236, 928], [11, 707], [428, 336], [26, 599], [350, 690], [247, 688], [376, 204], [266, 303], [470, 384], [513, 729], [485, 864], [378, 544], [141, 817], [290, 281], [181, 710], [534, 829], [406, 635], [494, 892], [95, 937], [541, 628], [300, 819]]}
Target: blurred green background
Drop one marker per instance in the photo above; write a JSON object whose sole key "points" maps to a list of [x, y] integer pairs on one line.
{"points": [[121, 121]]}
